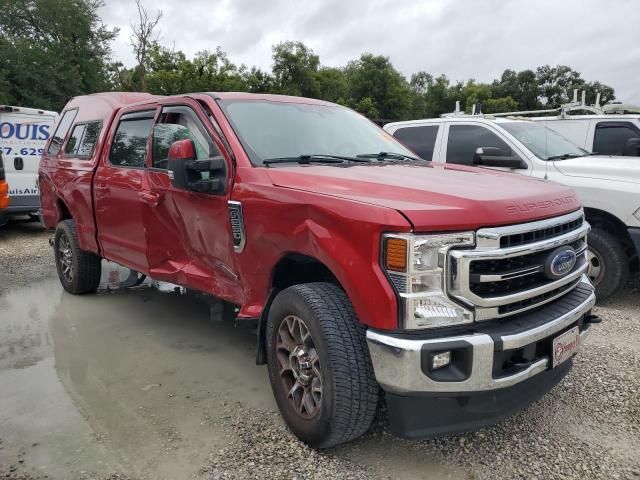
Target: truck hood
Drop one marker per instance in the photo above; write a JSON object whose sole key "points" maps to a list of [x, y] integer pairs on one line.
{"points": [[435, 197], [620, 169]]}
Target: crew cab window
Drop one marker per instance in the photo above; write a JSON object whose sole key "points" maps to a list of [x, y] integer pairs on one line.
{"points": [[464, 140], [611, 137], [179, 123], [61, 132], [83, 139], [129, 148], [421, 140]]}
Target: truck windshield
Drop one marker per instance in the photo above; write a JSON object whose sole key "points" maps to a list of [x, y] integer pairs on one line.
{"points": [[280, 130], [543, 142]]}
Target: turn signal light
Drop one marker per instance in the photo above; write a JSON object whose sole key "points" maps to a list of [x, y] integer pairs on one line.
{"points": [[4, 194], [396, 254]]}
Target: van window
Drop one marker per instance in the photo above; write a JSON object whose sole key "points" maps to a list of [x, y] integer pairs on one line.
{"points": [[610, 137], [61, 132], [464, 140], [129, 148], [83, 139], [179, 123], [421, 140]]}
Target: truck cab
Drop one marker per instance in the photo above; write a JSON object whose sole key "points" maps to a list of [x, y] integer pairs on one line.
{"points": [[608, 186], [363, 266]]}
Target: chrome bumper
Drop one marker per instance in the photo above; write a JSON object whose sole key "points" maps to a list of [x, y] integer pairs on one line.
{"points": [[397, 361]]}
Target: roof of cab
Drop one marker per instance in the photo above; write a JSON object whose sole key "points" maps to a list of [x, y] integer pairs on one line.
{"points": [[102, 105], [266, 97], [99, 106]]}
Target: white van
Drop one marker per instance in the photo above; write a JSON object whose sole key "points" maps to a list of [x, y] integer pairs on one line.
{"points": [[23, 134]]}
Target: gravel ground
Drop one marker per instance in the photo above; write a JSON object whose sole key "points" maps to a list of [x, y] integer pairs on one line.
{"points": [[588, 427]]}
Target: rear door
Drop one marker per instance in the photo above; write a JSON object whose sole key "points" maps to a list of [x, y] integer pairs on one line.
{"points": [[423, 139], [22, 140], [119, 184]]}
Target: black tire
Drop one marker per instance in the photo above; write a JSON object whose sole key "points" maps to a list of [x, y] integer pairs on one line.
{"points": [[350, 393], [609, 264], [82, 274]]}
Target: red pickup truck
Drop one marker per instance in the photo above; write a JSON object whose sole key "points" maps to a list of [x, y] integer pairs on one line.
{"points": [[456, 294]]}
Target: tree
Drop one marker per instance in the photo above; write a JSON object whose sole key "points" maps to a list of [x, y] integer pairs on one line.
{"points": [[144, 40], [375, 77], [52, 50], [295, 69], [557, 84]]}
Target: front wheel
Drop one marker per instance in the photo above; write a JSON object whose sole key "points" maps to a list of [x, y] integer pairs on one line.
{"points": [[78, 270], [319, 365], [608, 263]]}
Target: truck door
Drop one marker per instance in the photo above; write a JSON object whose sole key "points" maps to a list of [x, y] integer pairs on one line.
{"points": [[464, 140], [189, 240], [118, 189]]}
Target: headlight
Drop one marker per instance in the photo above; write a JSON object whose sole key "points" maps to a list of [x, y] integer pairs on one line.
{"points": [[416, 265]]}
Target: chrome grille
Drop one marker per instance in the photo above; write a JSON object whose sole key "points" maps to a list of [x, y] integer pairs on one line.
{"points": [[499, 280]]}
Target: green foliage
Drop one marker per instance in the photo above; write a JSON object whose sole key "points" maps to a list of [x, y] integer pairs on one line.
{"points": [[51, 50]]}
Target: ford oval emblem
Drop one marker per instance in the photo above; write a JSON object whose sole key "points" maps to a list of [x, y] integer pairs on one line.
{"points": [[560, 262]]}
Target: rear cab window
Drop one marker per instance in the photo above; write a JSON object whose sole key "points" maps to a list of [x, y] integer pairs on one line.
{"points": [[82, 140], [129, 147], [420, 138]]}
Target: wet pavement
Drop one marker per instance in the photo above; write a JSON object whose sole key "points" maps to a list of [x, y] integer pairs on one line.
{"points": [[119, 381], [140, 381]]}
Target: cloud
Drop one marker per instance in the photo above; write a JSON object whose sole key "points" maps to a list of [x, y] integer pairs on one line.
{"points": [[462, 39]]}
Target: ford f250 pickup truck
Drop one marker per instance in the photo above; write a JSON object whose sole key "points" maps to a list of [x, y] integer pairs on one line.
{"points": [[457, 294]]}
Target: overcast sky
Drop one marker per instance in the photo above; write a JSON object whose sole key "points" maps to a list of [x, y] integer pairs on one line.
{"points": [[462, 39]]}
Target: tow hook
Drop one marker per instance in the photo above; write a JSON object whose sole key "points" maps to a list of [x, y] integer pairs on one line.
{"points": [[592, 319]]}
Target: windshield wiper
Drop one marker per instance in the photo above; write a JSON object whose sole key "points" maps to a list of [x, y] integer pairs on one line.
{"points": [[319, 158], [564, 156], [393, 155]]}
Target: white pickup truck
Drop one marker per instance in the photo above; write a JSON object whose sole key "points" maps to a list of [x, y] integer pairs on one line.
{"points": [[608, 186], [23, 134]]}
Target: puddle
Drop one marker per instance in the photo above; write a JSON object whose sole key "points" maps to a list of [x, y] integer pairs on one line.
{"points": [[126, 380], [137, 380]]}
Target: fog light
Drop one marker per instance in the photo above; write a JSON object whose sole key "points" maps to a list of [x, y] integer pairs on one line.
{"points": [[439, 360]]}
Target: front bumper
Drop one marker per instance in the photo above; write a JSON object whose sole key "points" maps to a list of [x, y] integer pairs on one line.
{"points": [[634, 233], [492, 357]]}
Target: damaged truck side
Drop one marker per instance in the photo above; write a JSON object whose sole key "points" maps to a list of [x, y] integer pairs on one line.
{"points": [[457, 294]]}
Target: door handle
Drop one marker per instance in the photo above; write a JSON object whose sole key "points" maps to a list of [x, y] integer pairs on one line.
{"points": [[151, 198]]}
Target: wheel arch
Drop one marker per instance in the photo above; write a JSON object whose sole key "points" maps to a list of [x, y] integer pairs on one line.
{"points": [[292, 269], [612, 224]]}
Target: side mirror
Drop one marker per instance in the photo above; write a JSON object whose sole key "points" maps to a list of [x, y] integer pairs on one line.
{"points": [[632, 147], [496, 157], [188, 173]]}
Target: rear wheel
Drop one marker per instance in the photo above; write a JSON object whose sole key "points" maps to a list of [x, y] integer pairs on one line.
{"points": [[319, 365], [608, 263], [78, 270]]}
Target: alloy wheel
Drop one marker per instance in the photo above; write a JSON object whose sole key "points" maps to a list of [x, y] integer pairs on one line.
{"points": [[299, 367], [65, 256]]}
